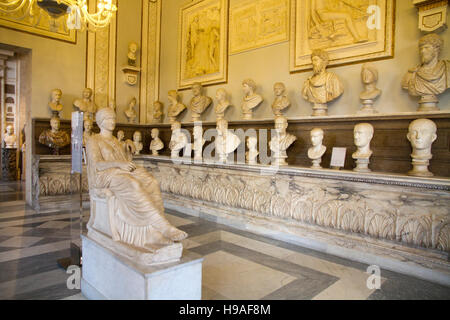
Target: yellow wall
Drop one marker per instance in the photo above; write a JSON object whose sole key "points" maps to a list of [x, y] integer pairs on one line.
{"points": [[271, 64], [54, 64]]}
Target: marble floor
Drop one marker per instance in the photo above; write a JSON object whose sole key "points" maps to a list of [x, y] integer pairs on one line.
{"points": [[238, 265]]}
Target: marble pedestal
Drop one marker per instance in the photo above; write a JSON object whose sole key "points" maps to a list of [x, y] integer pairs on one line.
{"points": [[106, 275], [9, 158]]}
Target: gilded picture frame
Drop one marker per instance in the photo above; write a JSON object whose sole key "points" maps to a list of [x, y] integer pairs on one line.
{"points": [[350, 31], [257, 23], [39, 23], [202, 43]]}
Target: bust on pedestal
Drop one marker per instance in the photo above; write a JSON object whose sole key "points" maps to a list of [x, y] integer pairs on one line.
{"points": [[252, 153], [369, 77], [175, 107], [281, 141], [317, 150], [251, 99], [156, 145], [55, 104], [226, 141], [222, 103], [281, 102], [421, 134], [178, 141], [54, 138], [86, 104], [137, 140], [363, 134], [199, 141], [199, 102]]}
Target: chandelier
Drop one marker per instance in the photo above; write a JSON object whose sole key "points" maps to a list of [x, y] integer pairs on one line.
{"points": [[78, 16]]}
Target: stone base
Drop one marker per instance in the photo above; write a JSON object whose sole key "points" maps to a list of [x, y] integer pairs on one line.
{"points": [[105, 275], [9, 169]]}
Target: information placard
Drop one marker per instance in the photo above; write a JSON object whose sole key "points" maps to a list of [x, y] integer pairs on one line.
{"points": [[77, 141], [338, 157]]}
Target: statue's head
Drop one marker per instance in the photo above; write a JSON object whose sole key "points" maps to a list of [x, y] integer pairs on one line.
{"points": [[56, 95], [87, 93], [320, 60], [251, 142], [422, 133], [281, 124], [279, 88], [173, 96], [197, 89], [132, 102], [9, 129], [176, 126], [430, 47], [369, 74], [157, 106], [316, 136], [137, 136], [154, 133], [88, 124], [55, 123], [363, 134], [132, 47], [120, 135], [222, 126], [106, 119], [249, 86], [221, 94]]}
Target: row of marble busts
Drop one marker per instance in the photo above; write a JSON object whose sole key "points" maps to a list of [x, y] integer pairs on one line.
{"points": [[421, 134]]}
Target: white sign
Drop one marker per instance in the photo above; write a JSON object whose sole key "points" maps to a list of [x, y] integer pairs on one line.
{"points": [[338, 157], [77, 141]]}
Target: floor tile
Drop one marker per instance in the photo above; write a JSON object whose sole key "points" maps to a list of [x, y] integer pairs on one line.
{"points": [[20, 242], [54, 225], [13, 231]]}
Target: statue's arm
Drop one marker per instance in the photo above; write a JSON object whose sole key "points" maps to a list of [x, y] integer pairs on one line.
{"points": [[96, 159]]}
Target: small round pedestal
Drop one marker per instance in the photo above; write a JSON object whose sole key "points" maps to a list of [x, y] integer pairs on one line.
{"points": [[316, 163], [279, 161], [195, 117], [428, 103], [420, 168], [9, 170], [320, 109], [248, 116], [367, 107], [362, 165]]}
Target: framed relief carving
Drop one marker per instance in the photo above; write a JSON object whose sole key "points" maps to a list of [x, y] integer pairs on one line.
{"points": [[258, 23], [202, 43], [39, 23], [350, 31]]}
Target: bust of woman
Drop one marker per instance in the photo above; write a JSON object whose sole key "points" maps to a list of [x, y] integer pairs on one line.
{"points": [[130, 113]]}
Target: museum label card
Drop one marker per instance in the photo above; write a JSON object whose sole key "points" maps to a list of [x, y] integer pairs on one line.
{"points": [[338, 157]]}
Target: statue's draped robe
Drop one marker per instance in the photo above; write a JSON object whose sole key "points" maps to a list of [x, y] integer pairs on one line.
{"points": [[136, 207], [422, 82], [200, 103], [322, 90], [279, 144], [52, 139]]}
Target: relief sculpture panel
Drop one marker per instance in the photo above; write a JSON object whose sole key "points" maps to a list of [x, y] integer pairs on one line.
{"points": [[254, 24], [202, 43], [390, 213], [350, 31]]}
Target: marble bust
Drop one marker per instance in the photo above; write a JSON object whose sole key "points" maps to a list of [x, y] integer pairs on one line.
{"points": [[421, 135], [175, 107], [199, 141], [10, 138], [132, 49], [137, 141], [431, 77], [369, 77], [281, 102], [323, 86], [130, 113], [54, 138], [55, 104], [135, 216], [222, 103], [86, 104], [157, 111], [87, 133], [226, 141], [199, 102], [156, 144], [317, 150], [252, 153], [178, 141], [281, 141], [251, 99], [363, 134]]}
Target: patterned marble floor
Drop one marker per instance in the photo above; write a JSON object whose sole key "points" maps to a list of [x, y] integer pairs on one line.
{"points": [[238, 265]]}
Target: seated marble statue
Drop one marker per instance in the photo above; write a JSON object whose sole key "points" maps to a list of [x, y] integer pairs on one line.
{"points": [[281, 141], [10, 138], [431, 77], [226, 141], [323, 86], [55, 104], [136, 211], [54, 138], [156, 144]]}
